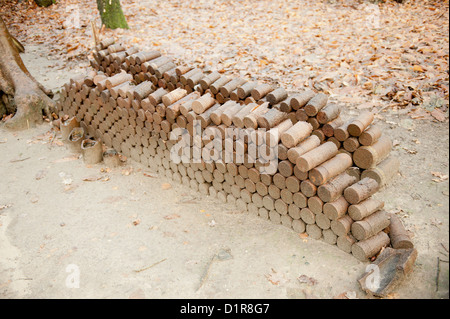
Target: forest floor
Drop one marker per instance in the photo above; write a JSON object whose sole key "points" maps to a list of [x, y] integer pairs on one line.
{"points": [[138, 238]]}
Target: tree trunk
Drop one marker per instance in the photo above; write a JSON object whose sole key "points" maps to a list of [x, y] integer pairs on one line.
{"points": [[111, 14], [19, 91], [44, 3]]}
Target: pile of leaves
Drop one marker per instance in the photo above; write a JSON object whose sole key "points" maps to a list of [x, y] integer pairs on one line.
{"points": [[364, 54]]}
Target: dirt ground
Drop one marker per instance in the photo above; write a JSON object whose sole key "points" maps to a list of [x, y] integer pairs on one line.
{"points": [[128, 236]]}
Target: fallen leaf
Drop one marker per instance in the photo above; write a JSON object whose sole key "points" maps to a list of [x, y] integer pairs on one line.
{"points": [[303, 235], [67, 181], [173, 216], [112, 199], [41, 174], [127, 172], [275, 278], [19, 160], [166, 186], [150, 175], [303, 279], [418, 68], [92, 178], [438, 115], [410, 151], [66, 159], [2, 207], [440, 177]]}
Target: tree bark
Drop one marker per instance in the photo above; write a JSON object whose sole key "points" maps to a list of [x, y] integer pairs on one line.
{"points": [[20, 92], [111, 14]]}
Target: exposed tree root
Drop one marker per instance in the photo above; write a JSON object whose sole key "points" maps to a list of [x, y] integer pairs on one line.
{"points": [[19, 91]]}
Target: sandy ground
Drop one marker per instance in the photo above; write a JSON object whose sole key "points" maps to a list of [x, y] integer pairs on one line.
{"points": [[127, 236]]}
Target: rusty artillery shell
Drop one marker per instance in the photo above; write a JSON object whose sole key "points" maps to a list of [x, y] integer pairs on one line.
{"points": [[194, 79], [245, 90], [330, 169], [285, 105], [328, 113], [369, 156], [182, 69], [335, 188], [203, 103], [322, 221], [336, 209], [314, 231], [113, 48], [75, 138], [341, 133], [303, 147], [238, 118], [105, 43], [205, 117], [230, 86], [215, 86], [174, 110], [370, 136], [217, 114], [294, 211], [92, 151], [300, 100], [308, 216], [384, 172], [277, 96], [351, 144], [272, 118], [118, 79], [371, 225], [361, 190], [162, 69], [111, 158], [152, 66], [368, 248], [296, 134], [209, 79], [358, 125], [286, 168], [314, 122], [300, 200], [317, 103], [329, 236], [173, 96], [143, 57], [143, 90], [315, 204], [67, 126], [156, 97], [329, 128], [398, 234], [298, 226], [251, 119], [345, 243], [317, 156], [272, 137], [342, 226], [293, 184], [365, 208], [308, 188], [261, 91]]}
